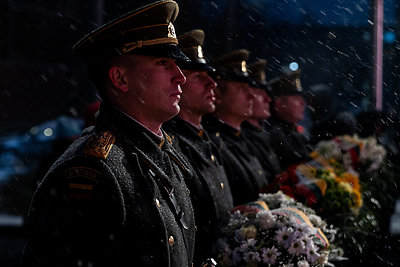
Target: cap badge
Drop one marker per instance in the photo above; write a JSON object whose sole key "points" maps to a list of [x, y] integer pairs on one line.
{"points": [[171, 31], [200, 52], [298, 84], [243, 65]]}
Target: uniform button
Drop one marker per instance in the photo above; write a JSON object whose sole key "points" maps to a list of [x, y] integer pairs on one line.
{"points": [[212, 158], [222, 185], [260, 172], [171, 241], [157, 203], [188, 191], [217, 134]]}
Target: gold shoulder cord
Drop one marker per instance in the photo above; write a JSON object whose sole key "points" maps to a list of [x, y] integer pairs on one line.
{"points": [[100, 145]]}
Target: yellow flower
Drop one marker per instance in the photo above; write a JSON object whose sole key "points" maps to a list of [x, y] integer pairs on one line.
{"points": [[248, 232], [346, 187], [356, 196], [314, 154], [351, 179], [332, 174]]}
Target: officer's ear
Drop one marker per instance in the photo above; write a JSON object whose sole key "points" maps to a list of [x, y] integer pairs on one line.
{"points": [[118, 79]]}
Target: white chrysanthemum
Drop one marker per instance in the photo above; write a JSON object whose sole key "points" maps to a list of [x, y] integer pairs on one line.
{"points": [[284, 221], [283, 236], [302, 263], [247, 245], [291, 220], [315, 220], [297, 247], [312, 254], [266, 220], [304, 229], [323, 258], [298, 235], [276, 199], [270, 255], [329, 149], [307, 242], [237, 220], [372, 153], [236, 215], [251, 256]]}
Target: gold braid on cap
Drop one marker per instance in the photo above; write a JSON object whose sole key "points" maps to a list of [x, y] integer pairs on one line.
{"points": [[130, 46]]}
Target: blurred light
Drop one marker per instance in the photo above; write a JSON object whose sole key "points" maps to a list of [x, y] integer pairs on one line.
{"points": [[293, 66], [366, 36], [48, 132], [34, 130], [389, 37]]}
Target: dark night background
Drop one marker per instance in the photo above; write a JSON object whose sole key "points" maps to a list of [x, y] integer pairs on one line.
{"points": [[44, 86], [332, 42]]}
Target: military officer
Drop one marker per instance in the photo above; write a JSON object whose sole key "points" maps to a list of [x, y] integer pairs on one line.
{"points": [[117, 196], [253, 126], [288, 105], [233, 105], [209, 188]]}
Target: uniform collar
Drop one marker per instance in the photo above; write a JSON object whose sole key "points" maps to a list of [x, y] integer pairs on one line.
{"points": [[178, 125], [250, 127], [276, 120], [120, 123], [220, 126]]}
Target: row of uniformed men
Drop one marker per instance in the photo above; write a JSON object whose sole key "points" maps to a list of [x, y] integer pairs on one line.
{"points": [[126, 193]]}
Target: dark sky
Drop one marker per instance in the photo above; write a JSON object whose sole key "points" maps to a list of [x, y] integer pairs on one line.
{"points": [[41, 79]]}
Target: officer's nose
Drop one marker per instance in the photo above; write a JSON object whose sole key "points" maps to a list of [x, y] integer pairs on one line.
{"points": [[178, 78], [211, 84], [250, 94]]}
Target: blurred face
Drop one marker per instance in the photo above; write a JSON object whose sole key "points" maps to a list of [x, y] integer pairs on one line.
{"points": [[260, 103], [198, 93], [153, 86], [235, 99], [290, 108]]}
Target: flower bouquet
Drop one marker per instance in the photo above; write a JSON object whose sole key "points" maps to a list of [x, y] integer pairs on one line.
{"points": [[351, 153], [340, 191], [283, 236], [348, 182], [330, 181]]}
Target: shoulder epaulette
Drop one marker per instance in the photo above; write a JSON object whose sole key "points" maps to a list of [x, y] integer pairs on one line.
{"points": [[99, 145]]}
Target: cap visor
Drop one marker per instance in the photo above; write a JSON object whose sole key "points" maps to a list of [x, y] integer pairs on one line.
{"points": [[195, 66], [259, 85], [235, 77], [164, 50]]}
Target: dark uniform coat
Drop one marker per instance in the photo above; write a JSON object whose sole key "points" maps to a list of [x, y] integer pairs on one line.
{"points": [[290, 146], [116, 197], [245, 173], [258, 139], [209, 188]]}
